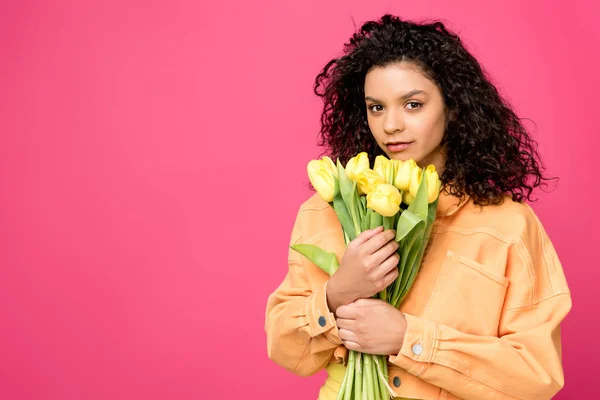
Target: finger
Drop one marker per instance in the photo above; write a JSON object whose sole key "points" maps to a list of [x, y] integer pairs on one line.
{"points": [[345, 334], [343, 323], [366, 235], [378, 241], [345, 312], [390, 277], [383, 253], [388, 265], [350, 345], [363, 303]]}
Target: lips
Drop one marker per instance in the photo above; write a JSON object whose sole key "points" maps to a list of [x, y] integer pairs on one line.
{"points": [[392, 143], [395, 147]]}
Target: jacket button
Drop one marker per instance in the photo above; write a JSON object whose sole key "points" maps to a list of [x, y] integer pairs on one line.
{"points": [[322, 321], [396, 381], [417, 349]]}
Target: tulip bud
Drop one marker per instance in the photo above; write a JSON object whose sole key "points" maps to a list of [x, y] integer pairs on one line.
{"points": [[322, 179], [404, 174], [357, 164], [384, 167], [415, 180], [330, 165], [433, 184], [396, 164], [407, 198], [385, 199], [367, 180]]}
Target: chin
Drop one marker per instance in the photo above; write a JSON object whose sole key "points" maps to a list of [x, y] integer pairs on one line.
{"points": [[402, 157]]}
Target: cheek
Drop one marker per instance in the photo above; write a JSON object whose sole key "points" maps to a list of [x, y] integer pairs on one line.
{"points": [[430, 130]]}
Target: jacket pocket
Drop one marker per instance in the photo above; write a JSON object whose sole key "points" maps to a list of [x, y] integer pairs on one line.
{"points": [[467, 296]]}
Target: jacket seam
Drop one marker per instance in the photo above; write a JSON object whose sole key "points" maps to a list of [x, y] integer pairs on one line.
{"points": [[469, 232], [544, 241], [526, 257], [518, 308]]}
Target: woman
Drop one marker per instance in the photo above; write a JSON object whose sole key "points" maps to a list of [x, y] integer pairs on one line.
{"points": [[482, 320]]}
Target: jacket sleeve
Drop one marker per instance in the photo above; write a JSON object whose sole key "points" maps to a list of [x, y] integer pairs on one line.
{"points": [[524, 361], [302, 335]]}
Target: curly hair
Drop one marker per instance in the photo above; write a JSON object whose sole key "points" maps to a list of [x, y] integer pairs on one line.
{"points": [[489, 153]]}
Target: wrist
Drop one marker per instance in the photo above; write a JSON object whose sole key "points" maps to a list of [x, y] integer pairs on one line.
{"points": [[334, 297], [401, 332]]}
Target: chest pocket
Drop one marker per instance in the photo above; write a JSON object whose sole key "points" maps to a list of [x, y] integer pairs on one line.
{"points": [[467, 296]]}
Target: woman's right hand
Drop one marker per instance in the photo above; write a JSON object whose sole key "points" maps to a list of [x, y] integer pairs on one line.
{"points": [[367, 267]]}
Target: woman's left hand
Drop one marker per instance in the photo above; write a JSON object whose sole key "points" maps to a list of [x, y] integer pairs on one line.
{"points": [[371, 326]]}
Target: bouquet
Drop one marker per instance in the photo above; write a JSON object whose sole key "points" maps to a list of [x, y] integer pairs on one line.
{"points": [[395, 194]]}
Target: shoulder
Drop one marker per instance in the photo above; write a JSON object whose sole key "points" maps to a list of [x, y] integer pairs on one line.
{"points": [[314, 203], [511, 220], [317, 216]]}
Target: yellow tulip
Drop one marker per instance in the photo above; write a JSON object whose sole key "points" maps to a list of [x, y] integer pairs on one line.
{"points": [[433, 184], [367, 180], [322, 179], [385, 168], [328, 162], [357, 164], [407, 198], [415, 180], [404, 174], [397, 164], [385, 199]]}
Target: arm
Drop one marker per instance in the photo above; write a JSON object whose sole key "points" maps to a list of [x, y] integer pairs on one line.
{"points": [[301, 332], [524, 361]]}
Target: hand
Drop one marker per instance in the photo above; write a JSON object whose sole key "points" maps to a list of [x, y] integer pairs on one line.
{"points": [[368, 266], [371, 326]]}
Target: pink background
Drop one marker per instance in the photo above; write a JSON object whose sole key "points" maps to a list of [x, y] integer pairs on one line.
{"points": [[152, 159]]}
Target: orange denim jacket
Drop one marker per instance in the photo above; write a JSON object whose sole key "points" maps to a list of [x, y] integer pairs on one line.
{"points": [[485, 307]]}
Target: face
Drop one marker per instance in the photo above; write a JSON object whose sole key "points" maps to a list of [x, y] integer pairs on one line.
{"points": [[406, 114]]}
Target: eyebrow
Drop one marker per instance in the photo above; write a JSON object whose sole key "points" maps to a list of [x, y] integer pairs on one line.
{"points": [[406, 96]]}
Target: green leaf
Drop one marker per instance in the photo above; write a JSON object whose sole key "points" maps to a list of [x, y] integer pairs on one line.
{"points": [[406, 223], [388, 222], [419, 206], [327, 261], [342, 212], [366, 220], [375, 220], [349, 193], [363, 207], [412, 249], [423, 245]]}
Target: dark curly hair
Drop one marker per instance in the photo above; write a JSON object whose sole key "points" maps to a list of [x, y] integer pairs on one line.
{"points": [[489, 152]]}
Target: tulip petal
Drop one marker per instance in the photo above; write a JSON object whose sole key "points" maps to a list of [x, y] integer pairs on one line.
{"points": [[420, 203]]}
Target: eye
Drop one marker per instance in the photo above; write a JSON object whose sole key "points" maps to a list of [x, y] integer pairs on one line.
{"points": [[416, 103], [374, 105]]}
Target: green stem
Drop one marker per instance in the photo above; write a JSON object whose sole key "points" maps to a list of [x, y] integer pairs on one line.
{"points": [[358, 377], [382, 384], [349, 386], [376, 394], [365, 394], [368, 371]]}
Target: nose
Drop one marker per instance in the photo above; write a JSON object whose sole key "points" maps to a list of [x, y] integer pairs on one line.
{"points": [[393, 121]]}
